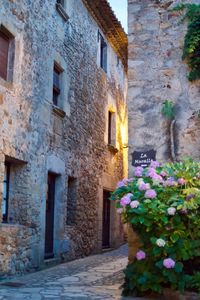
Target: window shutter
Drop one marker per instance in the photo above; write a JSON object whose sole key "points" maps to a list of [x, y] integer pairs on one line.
{"points": [[4, 47]]}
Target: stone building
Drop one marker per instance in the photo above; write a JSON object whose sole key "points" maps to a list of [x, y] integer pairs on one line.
{"points": [[157, 73], [63, 141]]}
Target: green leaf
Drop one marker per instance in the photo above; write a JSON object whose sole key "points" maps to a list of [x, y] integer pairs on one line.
{"points": [[178, 267], [174, 237], [153, 240], [142, 280], [157, 251], [159, 264], [181, 285]]}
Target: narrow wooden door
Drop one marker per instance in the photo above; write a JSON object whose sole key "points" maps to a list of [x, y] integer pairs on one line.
{"points": [[106, 220], [49, 229]]}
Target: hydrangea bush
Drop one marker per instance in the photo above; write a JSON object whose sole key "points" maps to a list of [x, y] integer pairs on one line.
{"points": [[162, 203]]}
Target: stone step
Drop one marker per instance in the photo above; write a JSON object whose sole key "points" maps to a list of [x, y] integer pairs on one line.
{"points": [[51, 262]]}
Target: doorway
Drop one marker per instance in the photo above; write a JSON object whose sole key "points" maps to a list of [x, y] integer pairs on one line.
{"points": [[49, 224], [106, 220]]}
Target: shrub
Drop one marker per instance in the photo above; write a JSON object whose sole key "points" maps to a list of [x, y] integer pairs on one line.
{"points": [[162, 203]]}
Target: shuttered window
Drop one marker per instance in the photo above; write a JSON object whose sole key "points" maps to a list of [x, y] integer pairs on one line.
{"points": [[4, 48]]}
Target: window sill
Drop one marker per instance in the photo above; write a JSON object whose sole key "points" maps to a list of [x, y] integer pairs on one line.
{"points": [[112, 148], [58, 111], [60, 9]]}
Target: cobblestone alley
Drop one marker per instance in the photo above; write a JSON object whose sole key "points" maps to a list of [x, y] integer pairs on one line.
{"points": [[94, 277]]}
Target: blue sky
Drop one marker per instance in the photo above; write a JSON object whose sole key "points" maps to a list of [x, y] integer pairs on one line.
{"points": [[120, 9]]}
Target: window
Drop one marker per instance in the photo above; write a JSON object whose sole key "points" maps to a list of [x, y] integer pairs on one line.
{"points": [[103, 53], [71, 201], [118, 61], [6, 53], [56, 83], [6, 192], [111, 128]]}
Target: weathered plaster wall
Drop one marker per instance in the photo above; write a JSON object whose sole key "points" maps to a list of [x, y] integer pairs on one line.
{"points": [[157, 73], [75, 145]]}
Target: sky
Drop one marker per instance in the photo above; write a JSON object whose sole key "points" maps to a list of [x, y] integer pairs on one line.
{"points": [[120, 9]]}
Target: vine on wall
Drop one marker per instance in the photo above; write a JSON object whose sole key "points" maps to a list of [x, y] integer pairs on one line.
{"points": [[168, 112], [191, 50]]}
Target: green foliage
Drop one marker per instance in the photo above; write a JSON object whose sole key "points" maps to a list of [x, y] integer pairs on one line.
{"points": [[191, 51], [164, 234], [168, 109], [195, 282]]}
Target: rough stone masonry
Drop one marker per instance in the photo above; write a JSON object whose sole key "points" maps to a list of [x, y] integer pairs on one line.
{"points": [[157, 73], [67, 142]]}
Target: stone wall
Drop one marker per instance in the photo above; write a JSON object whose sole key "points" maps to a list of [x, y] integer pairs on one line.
{"points": [[16, 249], [157, 73], [37, 138]]}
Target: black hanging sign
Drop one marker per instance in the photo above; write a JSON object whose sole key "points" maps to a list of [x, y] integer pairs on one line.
{"points": [[143, 159]]}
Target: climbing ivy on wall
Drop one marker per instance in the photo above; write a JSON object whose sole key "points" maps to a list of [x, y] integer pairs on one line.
{"points": [[191, 51]]}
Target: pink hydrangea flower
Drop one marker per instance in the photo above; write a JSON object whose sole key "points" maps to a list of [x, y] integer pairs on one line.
{"points": [[120, 184], [157, 177], [171, 211], [181, 181], [123, 182], [150, 194], [140, 255], [169, 263], [170, 182], [134, 204], [144, 186], [140, 181], [151, 172], [126, 199], [130, 180], [154, 164], [138, 171]]}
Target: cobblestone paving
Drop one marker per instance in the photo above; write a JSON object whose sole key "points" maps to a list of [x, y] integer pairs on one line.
{"points": [[95, 277]]}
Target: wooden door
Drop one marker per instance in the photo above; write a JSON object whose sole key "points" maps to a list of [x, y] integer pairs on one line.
{"points": [[106, 220], [49, 229]]}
